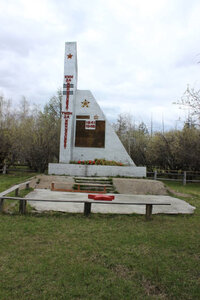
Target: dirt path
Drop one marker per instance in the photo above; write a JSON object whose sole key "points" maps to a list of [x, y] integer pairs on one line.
{"points": [[44, 181]]}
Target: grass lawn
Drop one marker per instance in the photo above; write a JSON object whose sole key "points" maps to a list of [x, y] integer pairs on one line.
{"points": [[11, 179], [69, 256]]}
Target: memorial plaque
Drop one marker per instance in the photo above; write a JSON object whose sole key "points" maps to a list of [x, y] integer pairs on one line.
{"points": [[90, 138]]}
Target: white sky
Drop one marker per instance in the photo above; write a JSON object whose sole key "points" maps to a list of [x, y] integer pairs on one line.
{"points": [[136, 56]]}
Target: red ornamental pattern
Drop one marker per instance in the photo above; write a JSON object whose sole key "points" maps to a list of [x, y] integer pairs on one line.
{"points": [[90, 125], [67, 114], [65, 135]]}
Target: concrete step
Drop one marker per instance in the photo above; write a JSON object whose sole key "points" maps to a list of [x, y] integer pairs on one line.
{"points": [[94, 182], [93, 178]]}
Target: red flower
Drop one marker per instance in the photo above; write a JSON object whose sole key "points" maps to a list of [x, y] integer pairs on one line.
{"points": [[94, 162], [79, 162], [90, 161]]}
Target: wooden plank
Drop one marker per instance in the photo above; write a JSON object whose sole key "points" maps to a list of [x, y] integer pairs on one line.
{"points": [[13, 188], [87, 204], [91, 178], [88, 201], [94, 184]]}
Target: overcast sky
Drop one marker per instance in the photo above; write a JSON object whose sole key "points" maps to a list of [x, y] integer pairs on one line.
{"points": [[136, 56]]}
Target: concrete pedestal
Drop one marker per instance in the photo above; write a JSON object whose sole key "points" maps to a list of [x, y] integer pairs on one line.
{"points": [[95, 170]]}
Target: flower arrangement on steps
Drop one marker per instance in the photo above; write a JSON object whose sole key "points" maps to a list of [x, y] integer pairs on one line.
{"points": [[97, 161]]}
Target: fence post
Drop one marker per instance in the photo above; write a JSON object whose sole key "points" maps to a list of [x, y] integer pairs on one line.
{"points": [[155, 175], [17, 192], [184, 178], [149, 208], [4, 169], [22, 206], [87, 208], [1, 204]]}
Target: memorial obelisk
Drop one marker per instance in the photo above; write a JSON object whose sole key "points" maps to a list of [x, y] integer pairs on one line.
{"points": [[68, 102], [86, 134]]}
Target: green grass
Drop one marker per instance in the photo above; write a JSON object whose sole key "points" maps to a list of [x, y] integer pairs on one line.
{"points": [[69, 256], [189, 188], [9, 180]]}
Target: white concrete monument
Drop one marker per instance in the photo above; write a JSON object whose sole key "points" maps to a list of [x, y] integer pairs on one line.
{"points": [[85, 132]]}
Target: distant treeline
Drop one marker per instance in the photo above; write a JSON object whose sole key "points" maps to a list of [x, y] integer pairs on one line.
{"points": [[174, 149], [29, 135]]}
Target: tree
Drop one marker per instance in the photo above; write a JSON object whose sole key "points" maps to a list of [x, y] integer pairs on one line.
{"points": [[162, 149], [38, 135], [35, 134], [189, 149], [191, 100], [134, 138], [54, 106], [7, 120]]}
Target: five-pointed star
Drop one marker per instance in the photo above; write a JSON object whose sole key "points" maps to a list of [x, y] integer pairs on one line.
{"points": [[85, 103], [69, 56]]}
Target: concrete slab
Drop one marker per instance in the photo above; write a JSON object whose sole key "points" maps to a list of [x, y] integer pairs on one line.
{"points": [[139, 186], [177, 206]]}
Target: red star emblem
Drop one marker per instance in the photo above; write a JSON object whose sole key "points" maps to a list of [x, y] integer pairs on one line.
{"points": [[69, 56]]}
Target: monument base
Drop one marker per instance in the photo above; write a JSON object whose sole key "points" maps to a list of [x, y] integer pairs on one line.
{"points": [[95, 170]]}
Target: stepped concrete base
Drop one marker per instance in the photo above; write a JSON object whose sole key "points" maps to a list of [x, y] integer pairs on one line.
{"points": [[87, 170]]}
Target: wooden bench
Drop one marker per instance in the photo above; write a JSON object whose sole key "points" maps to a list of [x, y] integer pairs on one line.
{"points": [[148, 213], [15, 188], [87, 204]]}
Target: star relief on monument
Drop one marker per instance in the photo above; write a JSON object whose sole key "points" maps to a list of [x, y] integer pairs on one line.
{"points": [[85, 103], [69, 56]]}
